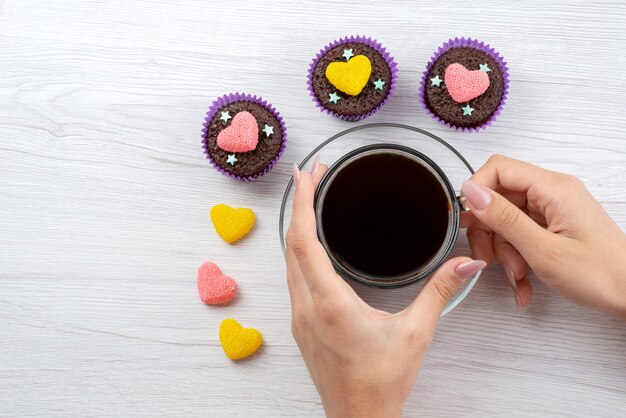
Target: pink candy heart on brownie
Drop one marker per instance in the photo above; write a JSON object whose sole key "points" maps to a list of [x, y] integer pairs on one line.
{"points": [[241, 136], [464, 85]]}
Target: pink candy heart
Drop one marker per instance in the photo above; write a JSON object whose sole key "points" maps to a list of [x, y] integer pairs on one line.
{"points": [[214, 287], [463, 85], [241, 136]]}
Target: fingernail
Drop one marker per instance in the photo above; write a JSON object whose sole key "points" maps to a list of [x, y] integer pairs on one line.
{"points": [[478, 196], [296, 175], [316, 166], [466, 270], [518, 301], [509, 275]]}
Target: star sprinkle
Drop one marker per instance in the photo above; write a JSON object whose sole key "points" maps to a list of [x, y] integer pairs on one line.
{"points": [[333, 97], [378, 84], [484, 67], [231, 159], [225, 116], [436, 81], [467, 110], [269, 130], [347, 54]]}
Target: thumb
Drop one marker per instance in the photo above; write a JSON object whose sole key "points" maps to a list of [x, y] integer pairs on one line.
{"points": [[506, 219], [441, 286]]}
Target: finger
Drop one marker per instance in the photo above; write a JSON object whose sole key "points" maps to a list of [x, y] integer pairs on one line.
{"points": [[303, 215], [504, 218], [514, 175], [426, 309], [317, 173], [467, 219], [515, 267], [299, 293], [517, 198], [515, 270], [479, 235], [479, 238], [302, 240], [524, 292]]}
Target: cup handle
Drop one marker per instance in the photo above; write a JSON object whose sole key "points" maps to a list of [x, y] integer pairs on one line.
{"points": [[463, 203]]}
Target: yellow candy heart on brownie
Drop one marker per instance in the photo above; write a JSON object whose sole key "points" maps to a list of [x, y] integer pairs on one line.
{"points": [[238, 342], [350, 77], [232, 224]]}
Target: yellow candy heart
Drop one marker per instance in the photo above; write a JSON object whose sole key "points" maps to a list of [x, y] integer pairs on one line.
{"points": [[350, 77], [231, 224], [238, 342]]}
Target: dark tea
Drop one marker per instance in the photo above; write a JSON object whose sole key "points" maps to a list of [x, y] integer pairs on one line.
{"points": [[384, 213]]}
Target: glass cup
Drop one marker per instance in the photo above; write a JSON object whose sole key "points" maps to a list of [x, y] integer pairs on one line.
{"points": [[344, 267]]}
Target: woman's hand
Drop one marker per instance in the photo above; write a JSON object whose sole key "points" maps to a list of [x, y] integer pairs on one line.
{"points": [[548, 221], [363, 361]]}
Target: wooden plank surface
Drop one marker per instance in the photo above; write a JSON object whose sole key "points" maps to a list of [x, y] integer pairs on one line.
{"points": [[105, 195]]}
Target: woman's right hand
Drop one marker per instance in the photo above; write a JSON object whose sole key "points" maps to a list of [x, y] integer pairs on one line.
{"points": [[530, 217]]}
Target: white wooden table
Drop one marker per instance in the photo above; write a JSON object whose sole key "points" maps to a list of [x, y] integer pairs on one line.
{"points": [[105, 197]]}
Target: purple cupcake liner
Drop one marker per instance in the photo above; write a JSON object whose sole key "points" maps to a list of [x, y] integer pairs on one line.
{"points": [[472, 43], [393, 66], [237, 97]]}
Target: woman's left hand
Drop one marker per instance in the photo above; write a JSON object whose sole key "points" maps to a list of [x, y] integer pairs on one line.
{"points": [[363, 361]]}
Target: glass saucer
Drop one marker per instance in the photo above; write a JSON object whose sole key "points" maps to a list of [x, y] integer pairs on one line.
{"points": [[443, 154]]}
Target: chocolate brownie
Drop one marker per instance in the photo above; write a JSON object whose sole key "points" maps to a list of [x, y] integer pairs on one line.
{"points": [[439, 101], [252, 162]]}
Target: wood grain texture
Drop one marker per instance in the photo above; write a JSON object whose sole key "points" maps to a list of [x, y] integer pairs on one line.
{"points": [[105, 196]]}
